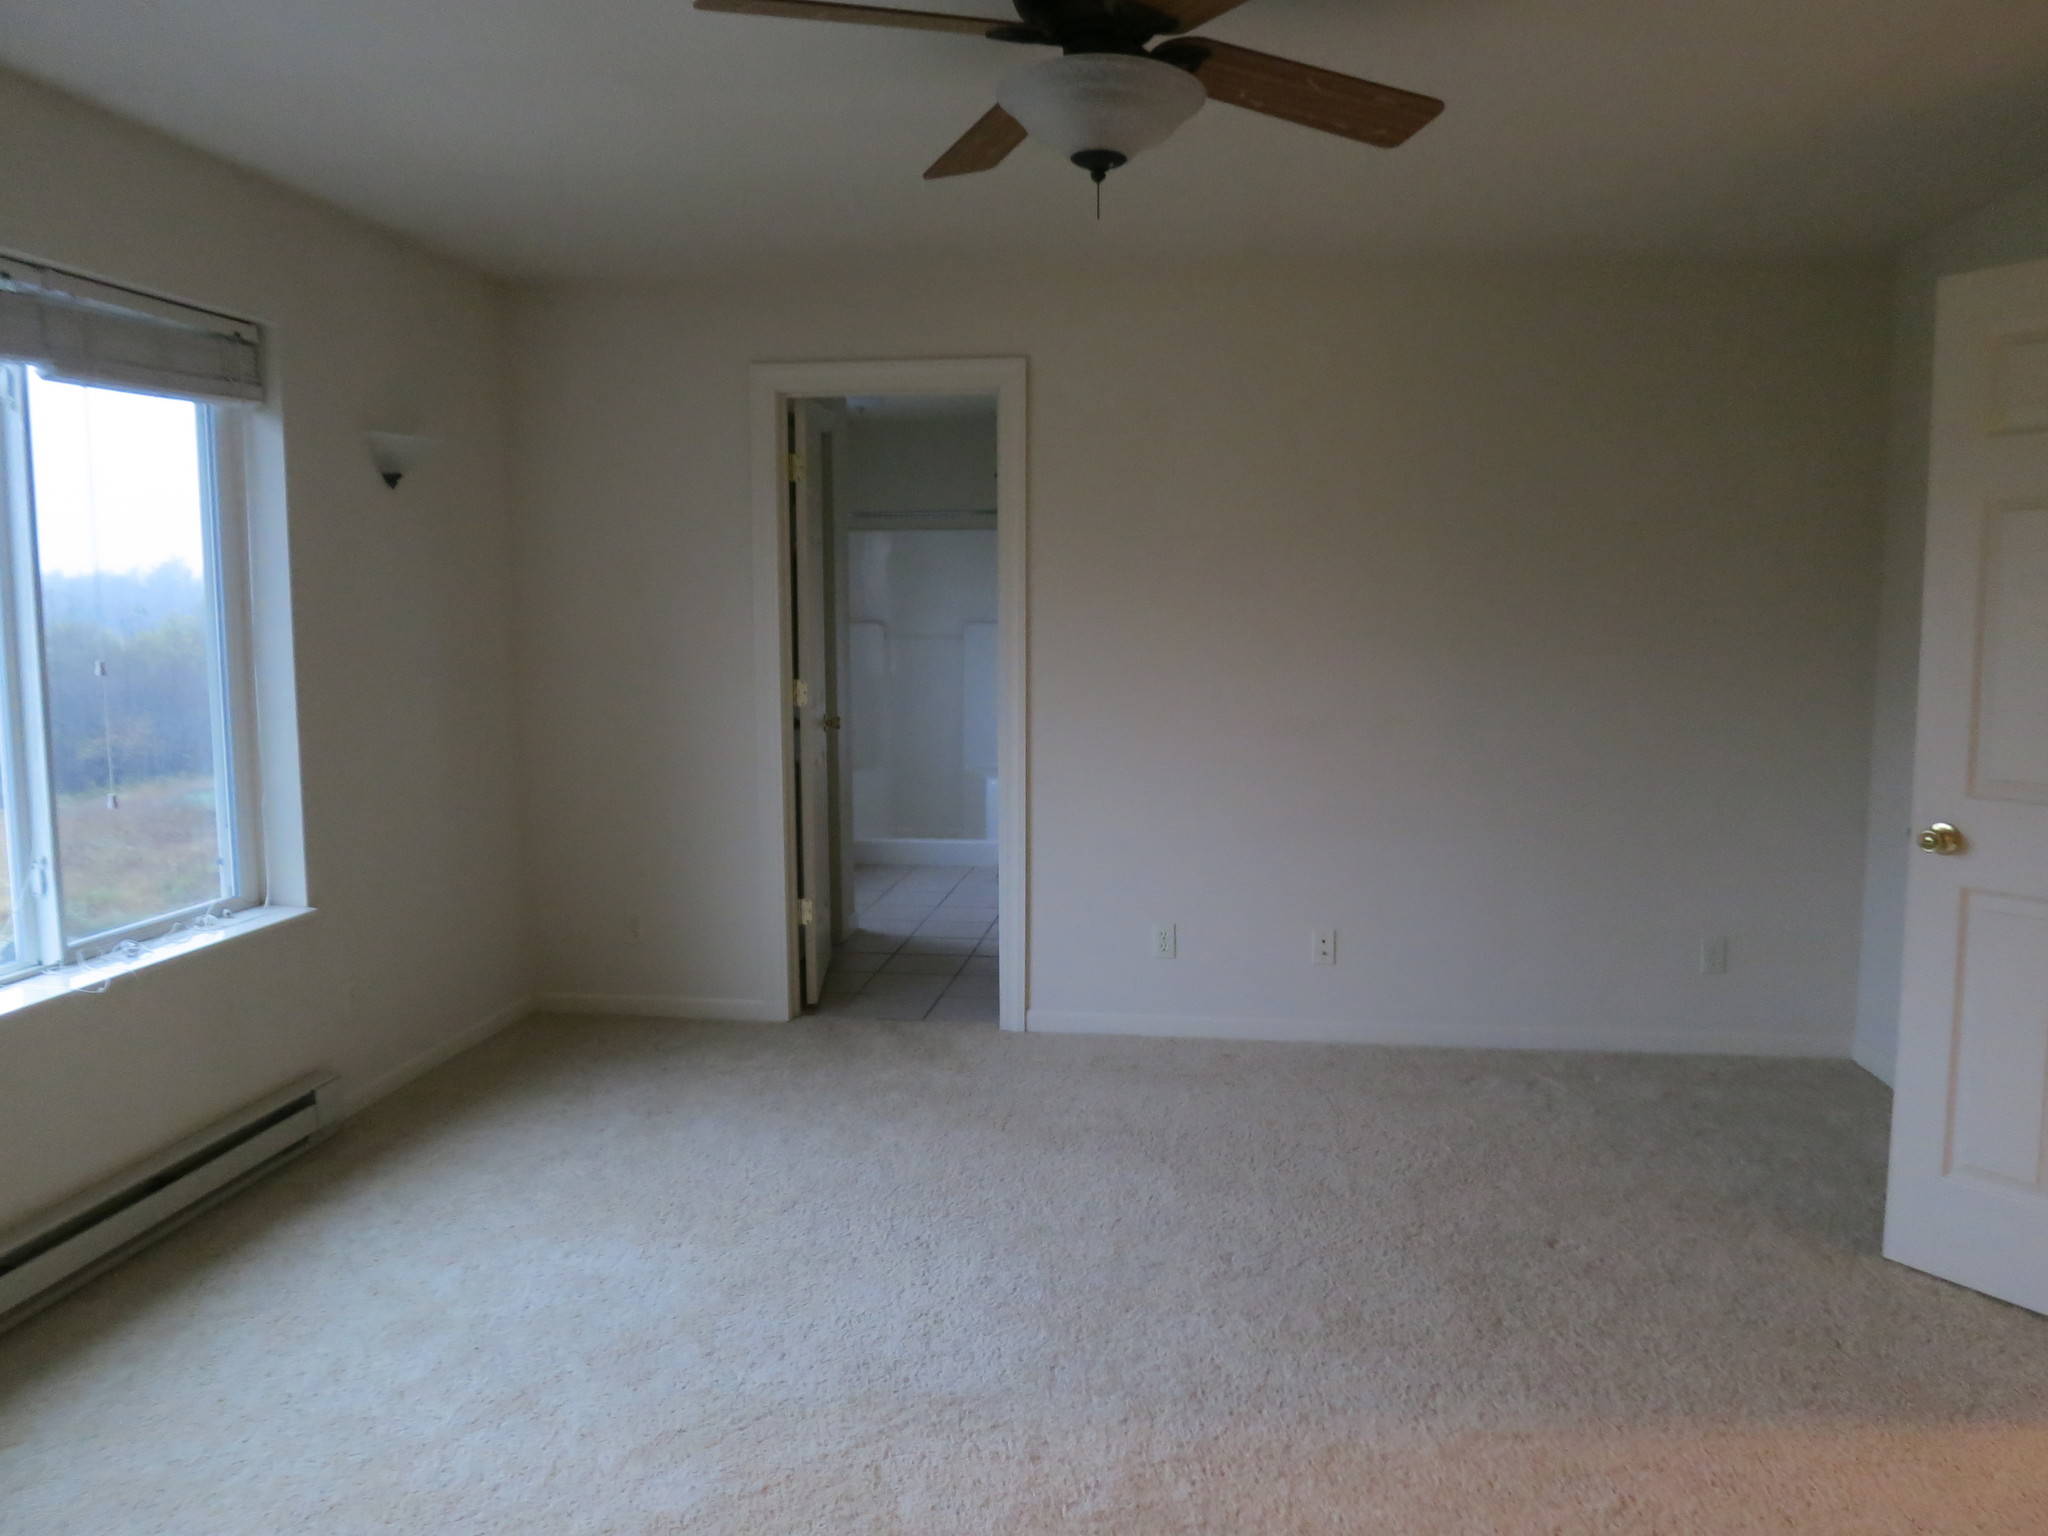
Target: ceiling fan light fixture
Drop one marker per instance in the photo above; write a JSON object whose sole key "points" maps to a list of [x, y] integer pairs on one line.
{"points": [[1101, 110]]}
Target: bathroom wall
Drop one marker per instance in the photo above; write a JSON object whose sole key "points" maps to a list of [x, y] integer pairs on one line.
{"points": [[921, 608], [919, 454], [921, 707]]}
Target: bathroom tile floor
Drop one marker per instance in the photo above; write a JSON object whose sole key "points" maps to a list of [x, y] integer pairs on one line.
{"points": [[925, 947]]}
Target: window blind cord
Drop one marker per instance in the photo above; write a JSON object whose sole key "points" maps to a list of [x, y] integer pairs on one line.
{"points": [[111, 964]]}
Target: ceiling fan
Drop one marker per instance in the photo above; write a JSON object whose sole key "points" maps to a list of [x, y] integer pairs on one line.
{"points": [[1113, 92]]}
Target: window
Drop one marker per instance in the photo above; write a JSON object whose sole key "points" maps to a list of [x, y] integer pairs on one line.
{"points": [[125, 760]]}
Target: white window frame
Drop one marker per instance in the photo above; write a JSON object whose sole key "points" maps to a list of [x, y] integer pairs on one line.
{"points": [[26, 776]]}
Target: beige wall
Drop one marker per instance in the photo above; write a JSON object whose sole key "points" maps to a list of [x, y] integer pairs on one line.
{"points": [[919, 464], [2015, 228], [1517, 624], [403, 645]]}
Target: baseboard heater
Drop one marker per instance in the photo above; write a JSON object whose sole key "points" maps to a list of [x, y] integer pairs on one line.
{"points": [[63, 1248]]}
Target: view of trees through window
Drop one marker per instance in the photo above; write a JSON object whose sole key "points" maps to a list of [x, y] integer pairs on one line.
{"points": [[120, 493]]}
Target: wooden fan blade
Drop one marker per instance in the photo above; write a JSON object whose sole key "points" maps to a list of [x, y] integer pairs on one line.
{"points": [[981, 148], [864, 15], [1301, 93], [1192, 13]]}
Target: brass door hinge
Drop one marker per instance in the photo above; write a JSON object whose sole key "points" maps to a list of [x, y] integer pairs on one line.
{"points": [[806, 912]]}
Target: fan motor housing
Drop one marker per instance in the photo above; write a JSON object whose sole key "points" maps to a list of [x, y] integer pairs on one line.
{"points": [[1090, 26]]}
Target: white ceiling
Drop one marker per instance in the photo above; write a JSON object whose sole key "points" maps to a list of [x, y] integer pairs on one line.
{"points": [[548, 137]]}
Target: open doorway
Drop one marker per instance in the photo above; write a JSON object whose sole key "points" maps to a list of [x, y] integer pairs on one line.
{"points": [[896, 617], [900, 688]]}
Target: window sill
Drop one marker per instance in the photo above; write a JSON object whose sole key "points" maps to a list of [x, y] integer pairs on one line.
{"points": [[97, 975]]}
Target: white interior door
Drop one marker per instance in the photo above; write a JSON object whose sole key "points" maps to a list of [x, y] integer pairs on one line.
{"points": [[839, 641], [1969, 1170], [811, 691]]}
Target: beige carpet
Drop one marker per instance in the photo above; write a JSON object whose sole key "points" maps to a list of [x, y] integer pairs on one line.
{"points": [[853, 1277]]}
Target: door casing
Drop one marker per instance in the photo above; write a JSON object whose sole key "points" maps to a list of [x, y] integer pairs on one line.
{"points": [[773, 387]]}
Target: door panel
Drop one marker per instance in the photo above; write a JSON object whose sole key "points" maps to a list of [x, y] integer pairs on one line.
{"points": [[2012, 674], [1969, 1189], [2001, 1058]]}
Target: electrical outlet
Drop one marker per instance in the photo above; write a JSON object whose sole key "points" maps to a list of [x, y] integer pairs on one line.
{"points": [[1713, 957], [1165, 942], [1325, 946]]}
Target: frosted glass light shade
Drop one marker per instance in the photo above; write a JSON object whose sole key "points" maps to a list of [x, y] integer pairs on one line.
{"points": [[1092, 102], [397, 454]]}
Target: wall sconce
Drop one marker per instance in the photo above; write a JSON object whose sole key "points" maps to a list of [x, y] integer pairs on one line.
{"points": [[397, 454]]}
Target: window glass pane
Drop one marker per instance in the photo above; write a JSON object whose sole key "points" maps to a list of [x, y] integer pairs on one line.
{"points": [[120, 490]]}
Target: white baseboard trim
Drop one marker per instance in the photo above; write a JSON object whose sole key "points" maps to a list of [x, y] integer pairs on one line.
{"points": [[351, 1098], [926, 850], [1722, 1042], [358, 1096], [736, 1010]]}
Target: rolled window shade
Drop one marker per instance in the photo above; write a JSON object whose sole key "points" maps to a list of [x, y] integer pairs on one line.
{"points": [[88, 332]]}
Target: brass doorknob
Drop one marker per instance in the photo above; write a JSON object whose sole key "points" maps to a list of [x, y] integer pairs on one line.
{"points": [[1942, 838], [830, 722]]}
